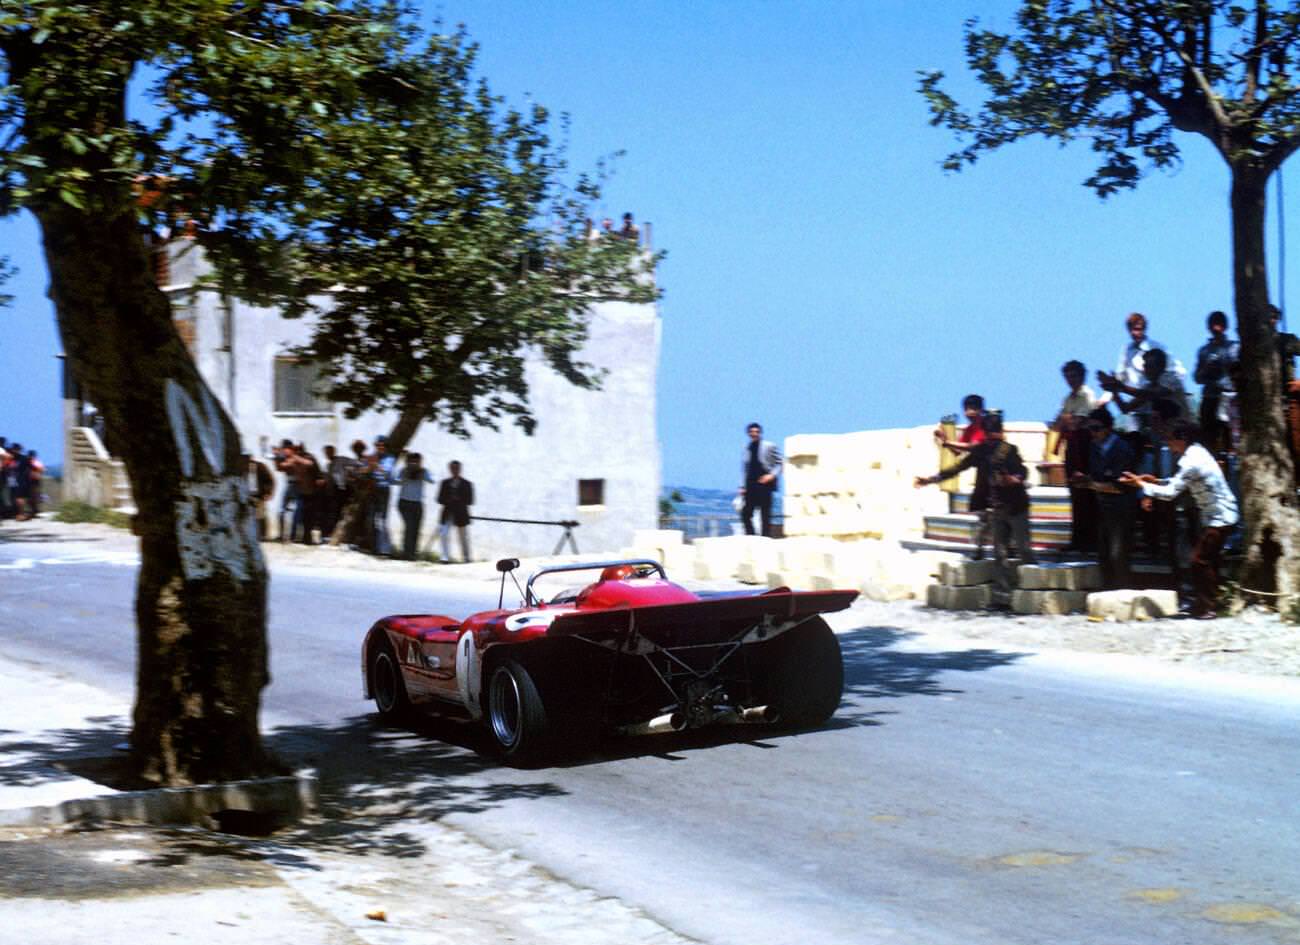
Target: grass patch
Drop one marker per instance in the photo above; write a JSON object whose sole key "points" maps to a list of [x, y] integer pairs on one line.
{"points": [[75, 511]]}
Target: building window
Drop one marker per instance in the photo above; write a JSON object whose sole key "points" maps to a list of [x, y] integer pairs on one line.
{"points": [[591, 492], [299, 387]]}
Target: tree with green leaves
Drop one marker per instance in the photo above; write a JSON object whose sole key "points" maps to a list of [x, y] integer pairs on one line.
{"points": [[243, 96], [460, 252], [304, 145], [1126, 76]]}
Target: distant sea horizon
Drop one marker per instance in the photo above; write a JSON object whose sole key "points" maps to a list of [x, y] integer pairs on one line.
{"points": [[703, 511]]}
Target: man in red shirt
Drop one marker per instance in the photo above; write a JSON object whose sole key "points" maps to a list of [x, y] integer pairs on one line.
{"points": [[971, 436]]}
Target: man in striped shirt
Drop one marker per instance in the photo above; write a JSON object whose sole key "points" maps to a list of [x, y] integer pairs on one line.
{"points": [[1200, 476]]}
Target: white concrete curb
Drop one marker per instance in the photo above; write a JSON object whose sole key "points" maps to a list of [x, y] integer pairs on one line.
{"points": [[274, 801]]}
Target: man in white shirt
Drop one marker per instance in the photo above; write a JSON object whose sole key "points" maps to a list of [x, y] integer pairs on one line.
{"points": [[1132, 360], [1200, 476]]}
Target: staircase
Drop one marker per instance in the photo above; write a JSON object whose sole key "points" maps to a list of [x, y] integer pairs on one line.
{"points": [[1049, 521], [93, 476]]}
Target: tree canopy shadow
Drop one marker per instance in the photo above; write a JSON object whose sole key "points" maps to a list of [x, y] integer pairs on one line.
{"points": [[875, 669], [375, 777], [378, 781]]}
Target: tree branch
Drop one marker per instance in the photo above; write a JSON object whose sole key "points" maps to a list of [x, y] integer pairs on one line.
{"points": [[1213, 106], [1255, 55]]}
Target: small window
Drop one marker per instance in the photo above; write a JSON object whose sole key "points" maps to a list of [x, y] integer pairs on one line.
{"points": [[591, 492], [299, 387]]}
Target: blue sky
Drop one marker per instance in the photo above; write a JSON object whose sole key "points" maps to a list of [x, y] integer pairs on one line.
{"points": [[824, 274]]}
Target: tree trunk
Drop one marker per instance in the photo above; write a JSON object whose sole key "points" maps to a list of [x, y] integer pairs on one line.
{"points": [[201, 596], [1272, 548]]}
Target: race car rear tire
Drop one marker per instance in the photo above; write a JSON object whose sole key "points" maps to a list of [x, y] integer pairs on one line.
{"points": [[386, 684], [804, 675], [517, 716]]}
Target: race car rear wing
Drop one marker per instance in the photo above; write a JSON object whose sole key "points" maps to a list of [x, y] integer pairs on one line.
{"points": [[705, 621]]}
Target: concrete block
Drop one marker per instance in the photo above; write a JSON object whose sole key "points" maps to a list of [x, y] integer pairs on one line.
{"points": [[1132, 604], [806, 553], [748, 573], [710, 570], [883, 571], [885, 590], [795, 580], [945, 597], [1066, 576], [679, 560], [1048, 601], [966, 573], [656, 537], [718, 558]]}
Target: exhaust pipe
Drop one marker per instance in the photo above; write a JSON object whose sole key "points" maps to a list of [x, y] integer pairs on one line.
{"points": [[677, 721], [670, 722]]}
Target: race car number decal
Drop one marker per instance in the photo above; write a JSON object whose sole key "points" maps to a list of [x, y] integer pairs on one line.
{"points": [[532, 618]]}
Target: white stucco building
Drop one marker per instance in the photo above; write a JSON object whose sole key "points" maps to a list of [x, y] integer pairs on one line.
{"points": [[594, 458]]}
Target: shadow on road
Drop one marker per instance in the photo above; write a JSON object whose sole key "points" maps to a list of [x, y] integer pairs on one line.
{"points": [[375, 777], [875, 669], [376, 780]]}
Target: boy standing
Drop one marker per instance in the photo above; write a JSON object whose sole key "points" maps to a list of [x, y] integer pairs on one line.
{"points": [[1000, 462]]}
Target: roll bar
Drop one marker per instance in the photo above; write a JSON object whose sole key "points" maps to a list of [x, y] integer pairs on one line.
{"points": [[529, 599]]}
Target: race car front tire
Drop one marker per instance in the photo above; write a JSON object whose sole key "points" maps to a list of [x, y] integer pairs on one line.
{"points": [[517, 716], [386, 684]]}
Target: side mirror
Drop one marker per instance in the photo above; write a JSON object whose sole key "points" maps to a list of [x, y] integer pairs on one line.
{"points": [[506, 566]]}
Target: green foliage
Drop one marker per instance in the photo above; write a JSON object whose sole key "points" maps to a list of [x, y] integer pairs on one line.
{"points": [[325, 150], [76, 511], [442, 246], [1124, 76], [668, 506], [243, 95]]}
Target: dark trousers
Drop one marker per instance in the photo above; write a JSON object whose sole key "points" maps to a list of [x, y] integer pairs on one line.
{"points": [[1205, 567], [1083, 519], [1010, 531], [1114, 539], [1083, 502], [332, 509], [306, 517], [757, 496], [1214, 432], [983, 530], [412, 512]]}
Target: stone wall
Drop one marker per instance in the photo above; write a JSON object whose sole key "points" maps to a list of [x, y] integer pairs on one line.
{"points": [[849, 486]]}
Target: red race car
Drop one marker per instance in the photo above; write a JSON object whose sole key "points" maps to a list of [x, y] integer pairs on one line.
{"points": [[631, 653]]}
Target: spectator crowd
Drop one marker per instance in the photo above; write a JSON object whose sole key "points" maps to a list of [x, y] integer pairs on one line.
{"points": [[1142, 462], [347, 498], [21, 479]]}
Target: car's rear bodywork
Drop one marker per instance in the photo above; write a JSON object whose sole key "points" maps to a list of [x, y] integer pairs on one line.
{"points": [[632, 652]]}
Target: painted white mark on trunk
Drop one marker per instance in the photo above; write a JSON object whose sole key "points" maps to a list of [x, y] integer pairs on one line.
{"points": [[208, 531], [185, 419], [215, 529]]}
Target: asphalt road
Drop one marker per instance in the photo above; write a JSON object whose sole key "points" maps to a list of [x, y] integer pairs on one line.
{"points": [[960, 795]]}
